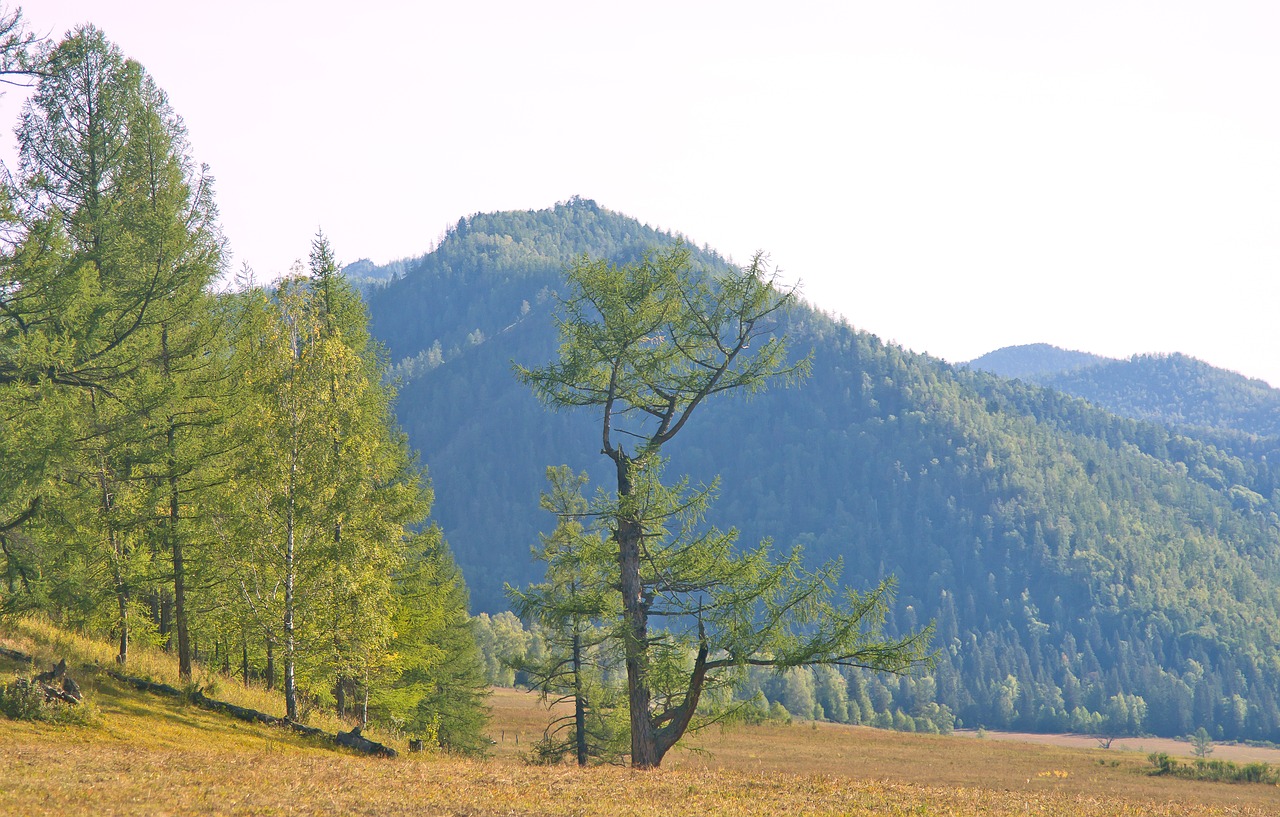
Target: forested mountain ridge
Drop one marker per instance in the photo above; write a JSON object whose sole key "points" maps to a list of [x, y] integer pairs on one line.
{"points": [[488, 274], [1176, 390], [1221, 408], [1080, 566], [1033, 361]]}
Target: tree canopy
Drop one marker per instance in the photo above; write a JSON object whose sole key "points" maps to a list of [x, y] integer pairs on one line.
{"points": [[219, 473]]}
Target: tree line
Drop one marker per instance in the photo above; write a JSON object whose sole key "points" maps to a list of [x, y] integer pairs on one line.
{"points": [[216, 469]]}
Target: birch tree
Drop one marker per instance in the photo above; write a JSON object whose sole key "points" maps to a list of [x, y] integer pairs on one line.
{"points": [[327, 490]]}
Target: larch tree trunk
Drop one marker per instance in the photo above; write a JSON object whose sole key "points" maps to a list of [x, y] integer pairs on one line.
{"points": [[635, 613], [579, 705]]}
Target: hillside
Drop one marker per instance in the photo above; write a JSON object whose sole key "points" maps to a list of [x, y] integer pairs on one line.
{"points": [[1177, 391], [1214, 406], [1033, 361], [1082, 568], [1174, 390]]}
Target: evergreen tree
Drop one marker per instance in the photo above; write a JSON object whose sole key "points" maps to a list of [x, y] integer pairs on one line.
{"points": [[434, 682], [646, 344], [576, 605], [360, 607], [117, 241]]}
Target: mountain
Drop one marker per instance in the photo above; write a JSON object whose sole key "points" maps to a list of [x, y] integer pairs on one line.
{"points": [[1033, 361], [1078, 564], [1214, 406], [366, 275], [1177, 391], [1174, 390]]}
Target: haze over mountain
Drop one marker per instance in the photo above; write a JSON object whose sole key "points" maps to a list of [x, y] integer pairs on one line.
{"points": [[1078, 564], [1175, 390], [1033, 360], [1186, 395]]}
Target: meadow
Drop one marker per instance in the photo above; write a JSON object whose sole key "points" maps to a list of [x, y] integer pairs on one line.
{"points": [[140, 754]]}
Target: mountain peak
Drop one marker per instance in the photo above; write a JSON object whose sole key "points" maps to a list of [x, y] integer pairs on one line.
{"points": [[1033, 360]]}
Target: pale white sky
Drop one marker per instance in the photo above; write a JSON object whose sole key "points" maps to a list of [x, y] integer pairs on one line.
{"points": [[1100, 175]]}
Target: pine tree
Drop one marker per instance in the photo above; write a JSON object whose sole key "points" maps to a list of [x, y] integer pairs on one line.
{"points": [[433, 682]]}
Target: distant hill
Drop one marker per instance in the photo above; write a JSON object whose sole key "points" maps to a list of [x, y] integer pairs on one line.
{"points": [[365, 274], [1033, 360], [1175, 390], [1076, 562]]}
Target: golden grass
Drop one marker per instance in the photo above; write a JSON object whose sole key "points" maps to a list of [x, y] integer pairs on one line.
{"points": [[56, 778], [87, 659], [147, 755], [945, 765]]}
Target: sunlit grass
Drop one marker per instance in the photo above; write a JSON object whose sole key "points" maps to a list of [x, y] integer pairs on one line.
{"points": [[89, 659], [147, 754]]}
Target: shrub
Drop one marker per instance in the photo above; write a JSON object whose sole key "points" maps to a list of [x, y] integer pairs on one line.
{"points": [[1222, 771], [22, 699]]}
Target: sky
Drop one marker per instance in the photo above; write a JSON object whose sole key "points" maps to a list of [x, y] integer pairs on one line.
{"points": [[1101, 175]]}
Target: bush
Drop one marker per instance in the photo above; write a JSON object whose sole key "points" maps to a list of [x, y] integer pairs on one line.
{"points": [[1221, 771], [549, 751], [22, 699], [778, 713]]}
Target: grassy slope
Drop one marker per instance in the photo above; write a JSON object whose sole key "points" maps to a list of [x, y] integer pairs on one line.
{"points": [[146, 755]]}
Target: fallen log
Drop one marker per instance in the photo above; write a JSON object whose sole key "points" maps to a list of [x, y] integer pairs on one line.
{"points": [[147, 686], [58, 672], [57, 684], [360, 743], [254, 716], [309, 731], [48, 692], [16, 656], [52, 693], [238, 712]]}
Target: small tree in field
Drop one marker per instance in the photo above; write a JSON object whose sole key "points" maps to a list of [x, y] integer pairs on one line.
{"points": [[645, 345], [573, 605], [1201, 744]]}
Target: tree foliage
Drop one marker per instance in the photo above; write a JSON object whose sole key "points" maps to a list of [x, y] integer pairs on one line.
{"points": [[576, 606], [645, 345], [220, 473]]}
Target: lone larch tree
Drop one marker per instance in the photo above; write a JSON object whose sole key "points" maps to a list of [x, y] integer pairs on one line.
{"points": [[646, 345]]}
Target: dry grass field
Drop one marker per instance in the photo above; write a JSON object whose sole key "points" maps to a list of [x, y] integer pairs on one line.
{"points": [[144, 755]]}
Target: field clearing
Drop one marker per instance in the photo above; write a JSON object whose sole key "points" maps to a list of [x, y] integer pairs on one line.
{"points": [[147, 755], [1238, 753], [1074, 770]]}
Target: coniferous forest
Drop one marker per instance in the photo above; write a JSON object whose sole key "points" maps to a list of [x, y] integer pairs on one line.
{"points": [[1084, 570], [213, 468], [238, 472]]}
